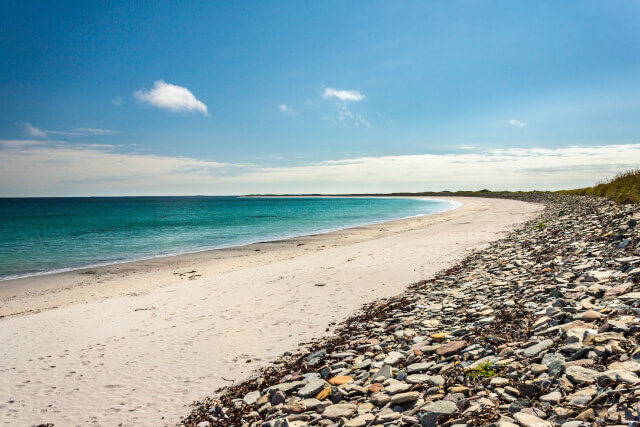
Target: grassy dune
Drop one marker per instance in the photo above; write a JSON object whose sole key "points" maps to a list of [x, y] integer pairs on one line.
{"points": [[624, 188]]}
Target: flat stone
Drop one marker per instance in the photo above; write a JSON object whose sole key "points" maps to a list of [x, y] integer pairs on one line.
{"points": [[528, 420], [438, 337], [380, 399], [589, 315], [251, 397], [340, 410], [360, 421], [553, 397], [375, 388], [312, 388], [554, 362], [499, 381], [419, 367], [393, 358], [536, 349], [537, 369], [278, 397], [384, 372], [396, 388], [294, 407], [341, 380], [401, 398], [628, 365], [435, 380], [581, 375], [440, 407], [617, 376], [451, 348], [287, 387]]}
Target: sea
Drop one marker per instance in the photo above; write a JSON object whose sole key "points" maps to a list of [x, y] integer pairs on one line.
{"points": [[48, 235]]}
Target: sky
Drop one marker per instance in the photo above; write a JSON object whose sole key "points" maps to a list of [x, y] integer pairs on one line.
{"points": [[221, 98]]}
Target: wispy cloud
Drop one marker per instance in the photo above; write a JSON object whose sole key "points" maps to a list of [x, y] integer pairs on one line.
{"points": [[117, 101], [517, 123], [286, 109], [343, 97], [92, 131], [171, 97], [34, 131], [58, 168]]}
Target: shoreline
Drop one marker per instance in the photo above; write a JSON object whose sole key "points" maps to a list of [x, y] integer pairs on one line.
{"points": [[58, 289], [454, 205], [137, 344], [522, 333]]}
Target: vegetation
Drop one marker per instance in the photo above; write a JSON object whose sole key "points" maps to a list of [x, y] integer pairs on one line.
{"points": [[484, 370], [624, 188]]}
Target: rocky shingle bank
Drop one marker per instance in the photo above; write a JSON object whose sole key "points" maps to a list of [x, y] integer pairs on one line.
{"points": [[540, 329]]}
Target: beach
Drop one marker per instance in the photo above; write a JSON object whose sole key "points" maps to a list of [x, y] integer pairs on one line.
{"points": [[136, 343]]}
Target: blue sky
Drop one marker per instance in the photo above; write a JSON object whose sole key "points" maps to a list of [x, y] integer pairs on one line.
{"points": [[237, 97]]}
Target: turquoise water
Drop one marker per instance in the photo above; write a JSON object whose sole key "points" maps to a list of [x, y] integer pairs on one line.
{"points": [[44, 235]]}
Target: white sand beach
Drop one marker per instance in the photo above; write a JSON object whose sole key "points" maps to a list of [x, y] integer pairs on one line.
{"points": [[136, 343]]}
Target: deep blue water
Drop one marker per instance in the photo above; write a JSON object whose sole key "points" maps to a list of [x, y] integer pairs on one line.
{"points": [[42, 235]]}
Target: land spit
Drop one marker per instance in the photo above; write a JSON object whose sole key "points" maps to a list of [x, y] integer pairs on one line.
{"points": [[539, 329]]}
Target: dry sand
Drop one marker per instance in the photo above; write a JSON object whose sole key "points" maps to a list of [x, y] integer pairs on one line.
{"points": [[136, 343]]}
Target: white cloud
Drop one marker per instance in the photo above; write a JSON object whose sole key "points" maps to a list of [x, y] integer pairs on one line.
{"points": [[172, 97], [518, 123], [92, 131], [286, 109], [343, 95], [117, 101], [34, 131], [76, 131], [58, 168]]}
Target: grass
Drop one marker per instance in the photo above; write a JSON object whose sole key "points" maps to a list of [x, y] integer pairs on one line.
{"points": [[484, 370], [624, 188]]}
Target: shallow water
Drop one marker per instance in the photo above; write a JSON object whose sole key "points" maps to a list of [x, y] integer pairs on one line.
{"points": [[40, 235]]}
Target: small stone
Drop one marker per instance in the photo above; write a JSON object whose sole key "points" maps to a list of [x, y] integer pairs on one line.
{"points": [[341, 410], [397, 387], [401, 398], [278, 397], [324, 393], [375, 388], [628, 365], [380, 399], [580, 375], [341, 380], [451, 348], [537, 369], [536, 349], [384, 372], [393, 358], [499, 381], [314, 387], [590, 315], [619, 376], [294, 407], [440, 407], [418, 367], [553, 397], [251, 397], [361, 420], [438, 337], [528, 420]]}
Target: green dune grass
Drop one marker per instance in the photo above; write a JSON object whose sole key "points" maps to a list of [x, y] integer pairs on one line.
{"points": [[624, 188]]}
